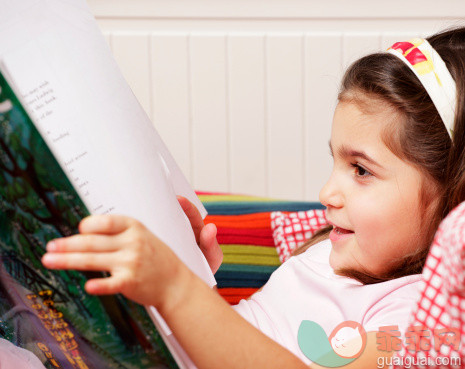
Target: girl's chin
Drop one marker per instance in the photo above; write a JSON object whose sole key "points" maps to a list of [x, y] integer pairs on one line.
{"points": [[341, 257], [336, 260]]}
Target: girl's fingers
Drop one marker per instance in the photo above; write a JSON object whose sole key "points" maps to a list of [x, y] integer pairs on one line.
{"points": [[194, 216], [105, 286], [79, 261], [84, 243], [105, 224], [210, 247]]}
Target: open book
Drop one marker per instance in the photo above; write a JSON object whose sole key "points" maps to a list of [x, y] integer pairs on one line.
{"points": [[74, 141]]}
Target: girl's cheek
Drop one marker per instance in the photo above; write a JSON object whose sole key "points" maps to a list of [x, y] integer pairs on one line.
{"points": [[368, 228]]}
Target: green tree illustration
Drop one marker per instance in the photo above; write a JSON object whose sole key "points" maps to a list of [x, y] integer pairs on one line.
{"points": [[37, 204]]}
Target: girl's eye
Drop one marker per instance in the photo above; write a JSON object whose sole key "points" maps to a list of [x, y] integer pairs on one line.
{"points": [[361, 171]]}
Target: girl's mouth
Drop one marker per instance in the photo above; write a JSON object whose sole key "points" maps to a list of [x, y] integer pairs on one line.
{"points": [[338, 234]]}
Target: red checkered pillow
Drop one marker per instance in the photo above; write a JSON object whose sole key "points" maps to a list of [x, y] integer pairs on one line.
{"points": [[441, 308], [293, 229]]}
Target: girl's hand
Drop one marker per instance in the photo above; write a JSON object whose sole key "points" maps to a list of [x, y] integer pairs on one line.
{"points": [[205, 235], [142, 267]]}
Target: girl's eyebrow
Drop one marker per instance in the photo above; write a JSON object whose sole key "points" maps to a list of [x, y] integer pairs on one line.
{"points": [[346, 151]]}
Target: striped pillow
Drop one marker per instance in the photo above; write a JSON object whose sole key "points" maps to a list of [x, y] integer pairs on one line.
{"points": [[246, 238]]}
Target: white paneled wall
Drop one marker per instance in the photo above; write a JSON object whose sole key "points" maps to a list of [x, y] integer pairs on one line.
{"points": [[244, 96]]}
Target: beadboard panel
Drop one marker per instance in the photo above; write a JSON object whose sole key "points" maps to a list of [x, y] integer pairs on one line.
{"points": [[322, 78], [133, 54], [171, 85], [245, 104], [246, 97], [284, 89], [208, 81]]}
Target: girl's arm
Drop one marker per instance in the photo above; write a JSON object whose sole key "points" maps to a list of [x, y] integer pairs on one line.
{"points": [[145, 270], [216, 336]]}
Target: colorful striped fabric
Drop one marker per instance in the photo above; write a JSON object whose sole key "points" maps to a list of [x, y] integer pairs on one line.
{"points": [[245, 236]]}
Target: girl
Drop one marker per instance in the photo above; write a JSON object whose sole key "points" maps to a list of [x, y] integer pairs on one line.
{"points": [[397, 172]]}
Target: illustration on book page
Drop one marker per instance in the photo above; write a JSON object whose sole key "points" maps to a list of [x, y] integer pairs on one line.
{"points": [[48, 312]]}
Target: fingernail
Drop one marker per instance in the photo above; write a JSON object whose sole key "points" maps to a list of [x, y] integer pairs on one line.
{"points": [[51, 246], [48, 259]]}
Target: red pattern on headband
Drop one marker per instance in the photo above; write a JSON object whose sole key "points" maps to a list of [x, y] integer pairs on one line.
{"points": [[415, 56], [412, 54], [404, 46]]}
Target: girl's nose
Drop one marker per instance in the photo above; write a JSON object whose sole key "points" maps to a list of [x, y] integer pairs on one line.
{"points": [[330, 194]]}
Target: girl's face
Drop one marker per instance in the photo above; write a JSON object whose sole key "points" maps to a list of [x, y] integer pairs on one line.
{"points": [[372, 196]]}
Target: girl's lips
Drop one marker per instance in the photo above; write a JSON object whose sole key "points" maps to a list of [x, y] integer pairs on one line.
{"points": [[338, 234]]}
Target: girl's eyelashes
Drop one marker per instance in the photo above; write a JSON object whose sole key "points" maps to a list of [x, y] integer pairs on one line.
{"points": [[360, 171]]}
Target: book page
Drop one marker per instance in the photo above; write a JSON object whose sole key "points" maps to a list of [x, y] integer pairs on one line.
{"points": [[63, 70], [57, 60], [48, 312]]}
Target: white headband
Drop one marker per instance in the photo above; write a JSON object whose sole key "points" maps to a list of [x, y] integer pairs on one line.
{"points": [[432, 72]]}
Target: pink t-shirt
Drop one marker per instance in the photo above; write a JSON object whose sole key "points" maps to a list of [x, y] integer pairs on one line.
{"points": [[14, 357], [306, 288]]}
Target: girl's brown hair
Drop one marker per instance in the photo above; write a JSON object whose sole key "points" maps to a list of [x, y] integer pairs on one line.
{"points": [[419, 137]]}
